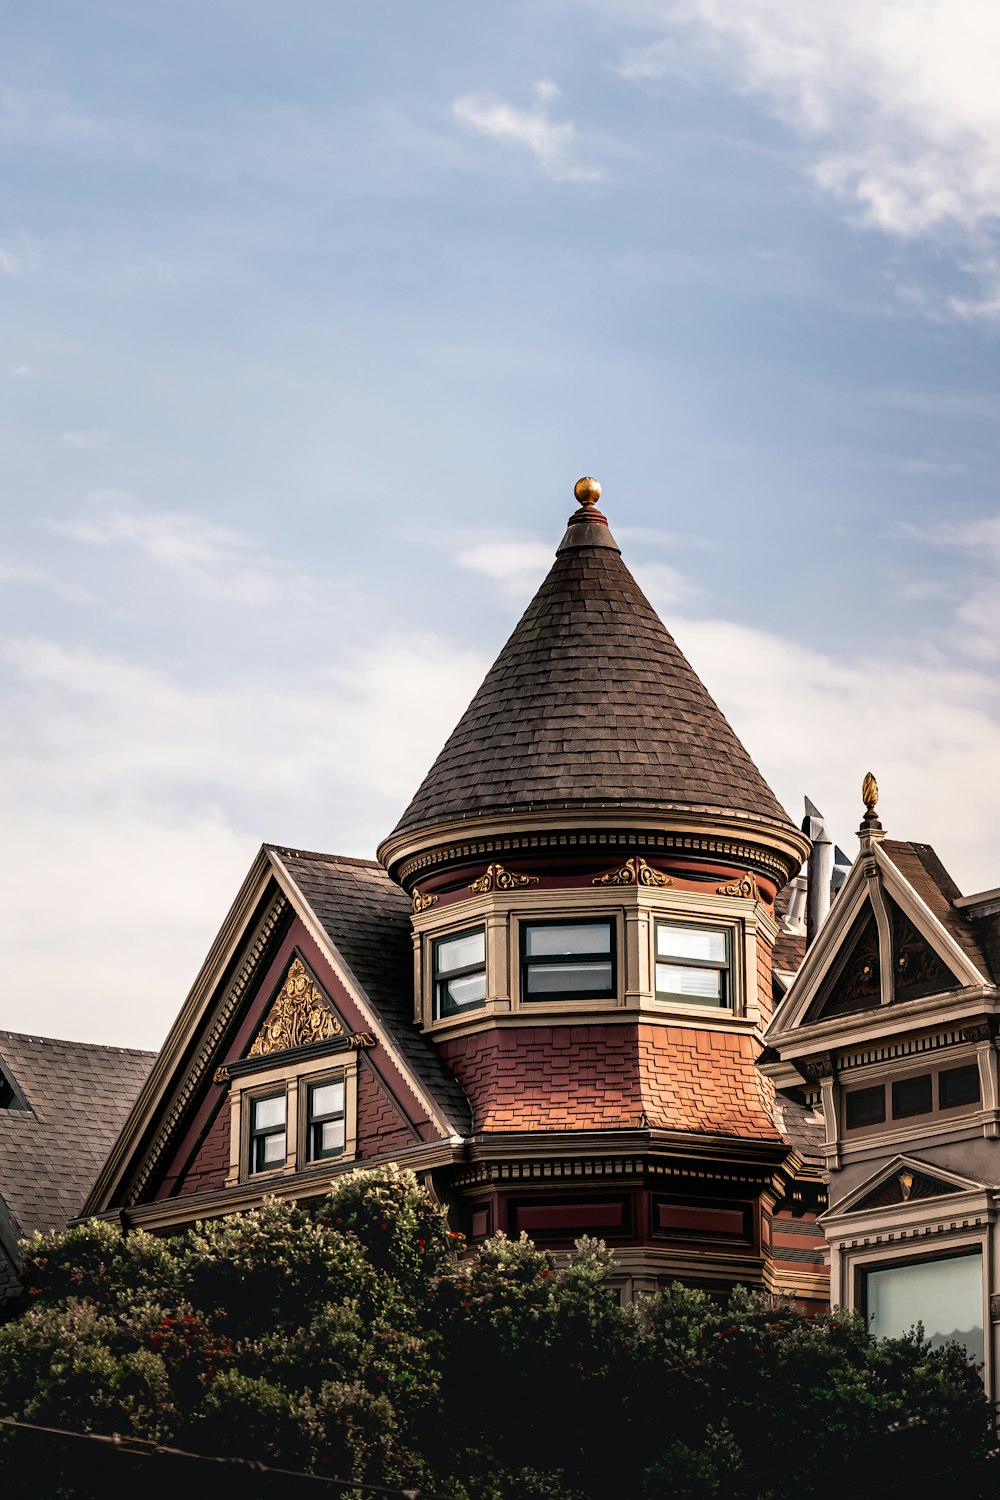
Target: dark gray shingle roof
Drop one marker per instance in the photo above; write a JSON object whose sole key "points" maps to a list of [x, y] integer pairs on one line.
{"points": [[921, 867], [590, 703], [367, 918], [79, 1095]]}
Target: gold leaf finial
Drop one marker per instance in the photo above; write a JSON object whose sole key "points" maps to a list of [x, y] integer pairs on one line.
{"points": [[869, 792], [587, 490]]}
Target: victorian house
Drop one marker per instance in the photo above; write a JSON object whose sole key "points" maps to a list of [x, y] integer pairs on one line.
{"points": [[548, 994], [889, 1029]]}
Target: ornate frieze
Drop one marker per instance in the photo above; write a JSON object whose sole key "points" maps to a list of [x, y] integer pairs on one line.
{"points": [[298, 1017], [503, 880], [635, 871], [746, 887]]}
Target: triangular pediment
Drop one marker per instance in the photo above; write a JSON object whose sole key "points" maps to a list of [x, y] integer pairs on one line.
{"points": [[881, 945], [905, 1179], [300, 1015]]}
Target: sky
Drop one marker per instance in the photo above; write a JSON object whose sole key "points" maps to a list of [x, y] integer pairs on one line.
{"points": [[312, 313]]}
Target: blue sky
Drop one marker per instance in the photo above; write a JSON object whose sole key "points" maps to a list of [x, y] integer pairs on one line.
{"points": [[310, 316]]}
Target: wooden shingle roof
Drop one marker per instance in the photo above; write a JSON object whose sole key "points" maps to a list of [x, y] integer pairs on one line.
{"points": [[591, 703]]}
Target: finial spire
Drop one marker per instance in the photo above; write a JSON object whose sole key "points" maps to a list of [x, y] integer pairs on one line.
{"points": [[871, 828], [587, 490]]}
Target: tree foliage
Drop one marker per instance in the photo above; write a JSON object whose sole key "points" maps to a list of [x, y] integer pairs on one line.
{"points": [[352, 1341]]}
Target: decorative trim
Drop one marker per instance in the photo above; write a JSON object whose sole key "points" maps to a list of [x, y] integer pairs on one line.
{"points": [[504, 880], [268, 926], [729, 851], [362, 1041], [221, 1075], [635, 871], [746, 887], [299, 1015], [422, 903]]}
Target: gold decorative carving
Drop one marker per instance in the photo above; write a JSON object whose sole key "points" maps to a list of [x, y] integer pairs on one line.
{"points": [[906, 1184], [422, 903], [504, 880], [361, 1041], [221, 1075], [298, 1016], [869, 792], [635, 871], [746, 886]]}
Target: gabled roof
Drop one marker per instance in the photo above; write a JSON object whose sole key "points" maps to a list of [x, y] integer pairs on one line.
{"points": [[78, 1096], [367, 918], [591, 703], [920, 866]]}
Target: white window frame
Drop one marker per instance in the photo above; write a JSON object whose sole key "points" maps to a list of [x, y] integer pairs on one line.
{"points": [[295, 1079]]}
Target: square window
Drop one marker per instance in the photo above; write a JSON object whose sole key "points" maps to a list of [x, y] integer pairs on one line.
{"points": [[958, 1086], [944, 1293], [268, 1142], [459, 973], [325, 1124], [864, 1107], [567, 961], [692, 964], [912, 1096]]}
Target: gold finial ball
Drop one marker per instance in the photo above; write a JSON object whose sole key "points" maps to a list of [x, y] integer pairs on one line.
{"points": [[869, 792], [587, 491]]}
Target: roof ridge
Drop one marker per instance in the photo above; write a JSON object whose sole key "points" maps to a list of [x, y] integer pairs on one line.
{"points": [[63, 1041], [332, 859]]}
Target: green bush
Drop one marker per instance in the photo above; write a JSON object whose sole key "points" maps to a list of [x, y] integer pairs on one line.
{"points": [[352, 1341]]}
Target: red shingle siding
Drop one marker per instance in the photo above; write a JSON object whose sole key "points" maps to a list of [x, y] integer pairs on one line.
{"points": [[210, 1166], [765, 981], [381, 1126], [612, 1077]]}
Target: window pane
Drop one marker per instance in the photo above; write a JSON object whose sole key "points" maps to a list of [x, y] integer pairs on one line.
{"points": [[693, 984], [912, 1097], [576, 937], [864, 1107], [945, 1295], [465, 991], [958, 1086], [272, 1152], [331, 1136], [460, 952], [269, 1112], [327, 1099], [706, 943], [547, 979]]}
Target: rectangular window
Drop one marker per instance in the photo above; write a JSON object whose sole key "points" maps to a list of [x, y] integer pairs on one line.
{"points": [[459, 973], [945, 1294], [567, 961], [864, 1107], [326, 1122], [912, 1096], [267, 1133], [958, 1086], [692, 964]]}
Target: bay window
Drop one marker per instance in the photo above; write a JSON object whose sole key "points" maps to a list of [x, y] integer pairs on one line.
{"points": [[459, 973], [693, 965], [568, 960]]}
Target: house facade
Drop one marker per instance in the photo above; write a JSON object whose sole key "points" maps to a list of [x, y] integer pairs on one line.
{"points": [[547, 995], [889, 1027]]}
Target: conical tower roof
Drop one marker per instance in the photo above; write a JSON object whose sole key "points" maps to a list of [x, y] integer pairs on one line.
{"points": [[591, 703]]}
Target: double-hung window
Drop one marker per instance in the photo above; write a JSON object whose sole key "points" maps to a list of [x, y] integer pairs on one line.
{"points": [[568, 960], [693, 964], [459, 973], [326, 1121], [268, 1140]]}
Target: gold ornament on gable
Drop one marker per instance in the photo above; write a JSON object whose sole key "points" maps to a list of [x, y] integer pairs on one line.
{"points": [[298, 1017], [422, 903]]}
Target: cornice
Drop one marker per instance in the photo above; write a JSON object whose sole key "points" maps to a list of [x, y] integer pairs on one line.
{"points": [[774, 849]]}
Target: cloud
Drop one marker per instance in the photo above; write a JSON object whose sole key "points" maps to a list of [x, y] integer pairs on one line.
{"points": [[29, 574], [515, 566], [22, 370], [975, 631], [91, 439], [20, 259], [131, 799], [552, 143], [210, 559], [898, 101]]}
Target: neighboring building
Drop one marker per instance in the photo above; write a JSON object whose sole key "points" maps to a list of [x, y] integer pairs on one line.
{"points": [[889, 1031], [62, 1105], [547, 998]]}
